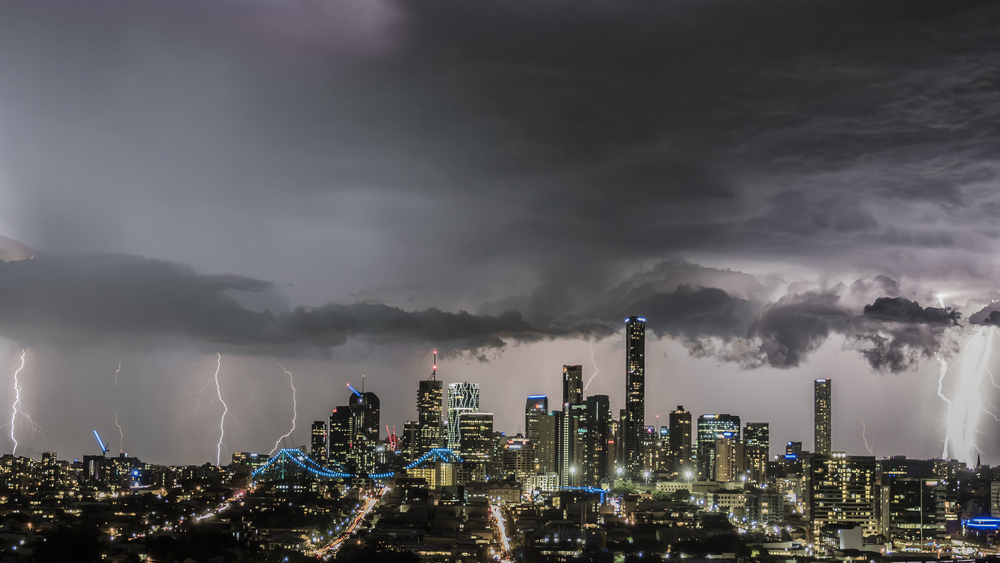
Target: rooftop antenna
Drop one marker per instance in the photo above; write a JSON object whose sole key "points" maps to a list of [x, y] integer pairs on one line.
{"points": [[362, 384], [434, 368]]}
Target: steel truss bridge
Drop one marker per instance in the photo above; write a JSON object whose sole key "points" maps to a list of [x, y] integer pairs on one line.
{"points": [[291, 461]]}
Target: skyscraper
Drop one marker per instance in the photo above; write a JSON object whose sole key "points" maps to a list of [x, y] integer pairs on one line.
{"points": [[429, 407], [635, 392], [462, 397], [680, 440], [365, 412], [822, 405], [841, 489], [757, 441], [319, 448], [476, 436], [340, 436], [710, 426], [535, 407], [572, 385], [598, 439]]}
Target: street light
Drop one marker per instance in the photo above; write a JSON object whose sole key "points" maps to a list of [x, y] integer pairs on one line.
{"points": [[646, 475], [572, 476]]}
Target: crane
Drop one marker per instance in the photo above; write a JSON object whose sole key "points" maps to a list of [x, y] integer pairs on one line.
{"points": [[100, 442]]}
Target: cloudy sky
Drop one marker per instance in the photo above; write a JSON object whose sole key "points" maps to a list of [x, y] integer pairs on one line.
{"points": [[786, 191]]}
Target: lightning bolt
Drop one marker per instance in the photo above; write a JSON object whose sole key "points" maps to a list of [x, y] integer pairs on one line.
{"points": [[121, 443], [596, 369], [18, 408], [940, 392], [966, 403], [864, 432], [222, 422], [295, 410], [116, 372]]}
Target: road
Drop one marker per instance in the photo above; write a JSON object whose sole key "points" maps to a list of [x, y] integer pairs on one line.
{"points": [[496, 513], [368, 503]]}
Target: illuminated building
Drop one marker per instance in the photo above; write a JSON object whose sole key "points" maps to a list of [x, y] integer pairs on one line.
{"points": [[598, 439], [572, 385], [429, 415], [572, 443], [635, 393], [535, 407], [546, 446], [728, 457], [339, 436], [519, 458], [680, 440], [765, 507], [476, 432], [319, 447], [913, 513], [462, 398], [822, 407], [757, 446], [365, 412], [410, 440], [841, 489], [710, 426]]}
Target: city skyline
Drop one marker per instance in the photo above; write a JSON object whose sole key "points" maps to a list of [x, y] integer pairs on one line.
{"points": [[286, 195]]}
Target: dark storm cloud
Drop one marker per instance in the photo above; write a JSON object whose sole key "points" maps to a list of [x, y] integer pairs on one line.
{"points": [[902, 310], [93, 298], [988, 315]]}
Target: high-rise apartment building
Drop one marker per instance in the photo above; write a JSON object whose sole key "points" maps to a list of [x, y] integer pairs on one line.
{"points": [[635, 393], [365, 413], [535, 407], [462, 398], [913, 514], [318, 447], [429, 410], [757, 446], [728, 457], [822, 417], [680, 441], [546, 448], [841, 489], [476, 436], [572, 385], [710, 426]]}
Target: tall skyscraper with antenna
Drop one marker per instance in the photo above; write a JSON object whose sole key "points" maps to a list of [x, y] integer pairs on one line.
{"points": [[635, 393], [429, 412]]}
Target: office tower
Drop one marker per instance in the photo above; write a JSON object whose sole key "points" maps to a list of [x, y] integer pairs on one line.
{"points": [[518, 458], [547, 446], [476, 436], [535, 407], [680, 441], [757, 446], [319, 447], [728, 457], [571, 454], [339, 434], [710, 426], [822, 418], [572, 385], [410, 441], [635, 392], [365, 413], [613, 433], [913, 513], [462, 397], [429, 410], [840, 489], [598, 439], [793, 449]]}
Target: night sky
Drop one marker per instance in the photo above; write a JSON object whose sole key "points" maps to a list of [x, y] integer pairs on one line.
{"points": [[786, 190]]}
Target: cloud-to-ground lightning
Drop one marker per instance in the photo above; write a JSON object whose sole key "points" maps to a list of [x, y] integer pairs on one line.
{"points": [[18, 409], [864, 433], [121, 443], [966, 402], [596, 369], [940, 392], [295, 411], [116, 372], [222, 421]]}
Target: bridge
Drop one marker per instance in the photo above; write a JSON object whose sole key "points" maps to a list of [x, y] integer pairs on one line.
{"points": [[291, 461]]}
